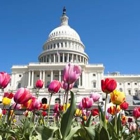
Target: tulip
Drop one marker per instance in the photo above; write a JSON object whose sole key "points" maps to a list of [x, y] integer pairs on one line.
{"points": [[6, 100], [22, 96], [54, 86], [44, 113], [113, 110], [124, 106], [66, 86], [71, 73], [16, 106], [66, 106], [80, 106], [130, 120], [45, 106], [57, 108], [108, 85], [117, 97], [78, 112], [123, 119], [39, 84], [136, 112], [132, 127], [86, 113], [4, 79], [4, 111], [95, 112], [87, 102], [95, 96], [33, 104]]}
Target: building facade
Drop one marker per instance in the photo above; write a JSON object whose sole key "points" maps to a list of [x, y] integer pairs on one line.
{"points": [[65, 46]]}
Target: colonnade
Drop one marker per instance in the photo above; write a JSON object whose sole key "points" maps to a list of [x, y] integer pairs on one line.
{"points": [[63, 57], [43, 75]]}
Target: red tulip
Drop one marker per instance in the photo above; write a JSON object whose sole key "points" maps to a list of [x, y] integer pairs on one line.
{"points": [[22, 96], [4, 111], [71, 73], [87, 102], [4, 79], [108, 85], [57, 108], [54, 86], [44, 113], [95, 112], [136, 112], [39, 84], [124, 106], [8, 95]]}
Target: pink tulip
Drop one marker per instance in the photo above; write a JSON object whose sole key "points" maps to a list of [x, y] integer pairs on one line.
{"points": [[136, 112], [95, 96], [35, 104], [16, 106], [132, 127], [54, 86], [22, 96], [39, 84], [4, 79], [64, 85], [80, 106], [87, 102], [71, 73]]}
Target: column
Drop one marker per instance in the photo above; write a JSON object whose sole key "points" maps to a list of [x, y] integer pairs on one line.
{"points": [[60, 75], [51, 75], [44, 79], [76, 58], [68, 57], [32, 84], [80, 58], [29, 78], [50, 58], [72, 58], [40, 75], [83, 79]]}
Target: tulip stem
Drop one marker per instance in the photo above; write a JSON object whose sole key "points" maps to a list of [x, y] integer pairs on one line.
{"points": [[116, 120], [49, 109], [105, 106], [67, 95]]}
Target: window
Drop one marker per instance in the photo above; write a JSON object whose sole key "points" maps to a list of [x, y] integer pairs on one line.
{"points": [[48, 75], [44, 100], [47, 84], [135, 83], [37, 75], [94, 84], [120, 83], [129, 91], [128, 83], [20, 75], [19, 85], [94, 74], [58, 100], [121, 89]]}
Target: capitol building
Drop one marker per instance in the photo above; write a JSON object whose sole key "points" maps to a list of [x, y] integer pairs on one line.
{"points": [[63, 46]]}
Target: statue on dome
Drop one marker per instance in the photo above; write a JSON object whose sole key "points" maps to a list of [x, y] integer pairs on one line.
{"points": [[64, 11]]}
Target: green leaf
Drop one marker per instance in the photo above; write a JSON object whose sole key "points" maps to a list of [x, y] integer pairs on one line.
{"points": [[104, 134], [90, 132], [101, 115], [72, 132], [67, 117], [89, 121], [44, 132]]}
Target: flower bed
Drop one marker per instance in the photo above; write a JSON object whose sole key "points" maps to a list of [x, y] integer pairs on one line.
{"points": [[67, 121]]}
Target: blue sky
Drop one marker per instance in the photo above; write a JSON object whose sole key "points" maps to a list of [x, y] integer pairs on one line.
{"points": [[110, 30]]}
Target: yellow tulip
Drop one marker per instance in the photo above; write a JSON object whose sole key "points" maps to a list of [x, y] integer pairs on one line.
{"points": [[78, 112], [6, 101], [117, 97], [65, 106]]}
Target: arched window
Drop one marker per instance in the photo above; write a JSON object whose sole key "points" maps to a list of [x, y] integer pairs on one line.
{"points": [[44, 100], [58, 100]]}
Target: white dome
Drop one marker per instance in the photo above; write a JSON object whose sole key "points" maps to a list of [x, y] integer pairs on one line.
{"points": [[64, 31]]}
